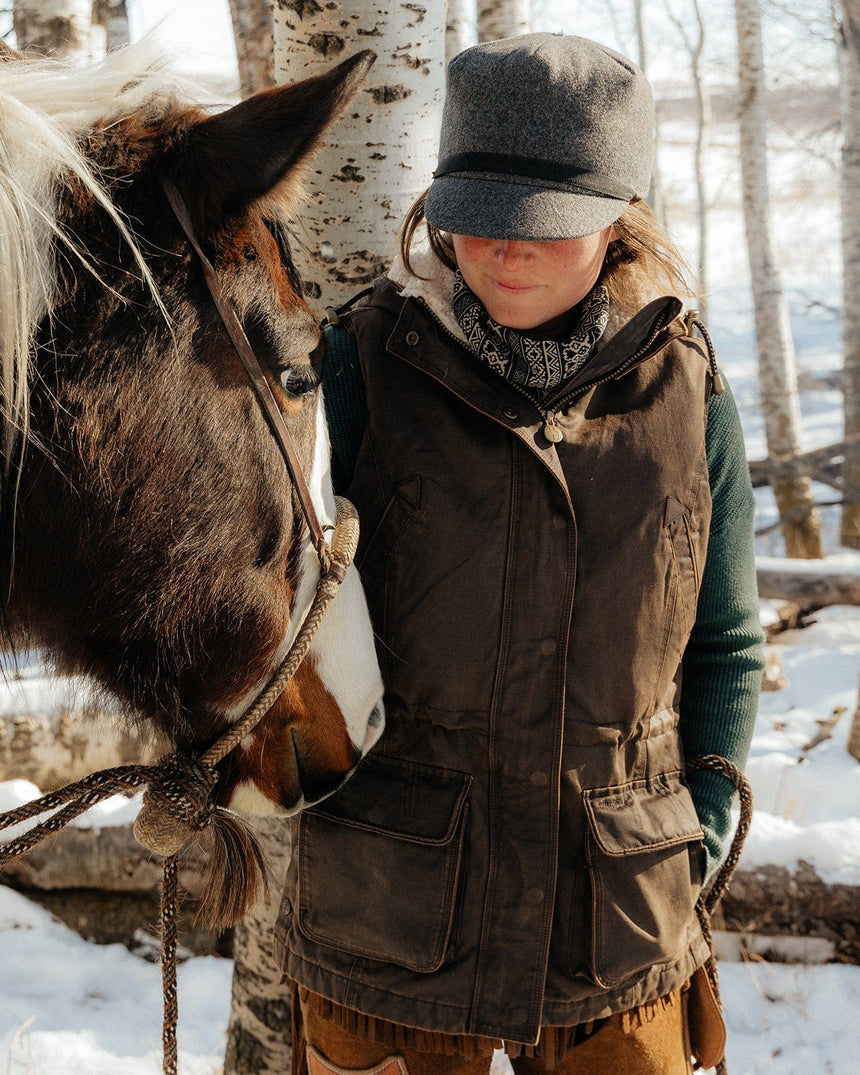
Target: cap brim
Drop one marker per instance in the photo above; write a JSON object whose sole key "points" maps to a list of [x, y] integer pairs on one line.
{"points": [[499, 209]]}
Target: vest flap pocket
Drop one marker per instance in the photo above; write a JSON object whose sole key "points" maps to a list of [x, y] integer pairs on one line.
{"points": [[374, 550], [395, 830], [645, 815], [415, 802], [643, 849]]}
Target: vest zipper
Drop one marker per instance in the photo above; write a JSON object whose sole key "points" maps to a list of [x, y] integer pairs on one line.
{"points": [[551, 430]]}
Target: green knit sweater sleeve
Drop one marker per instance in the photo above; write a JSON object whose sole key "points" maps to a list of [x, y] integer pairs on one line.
{"points": [[724, 656]]}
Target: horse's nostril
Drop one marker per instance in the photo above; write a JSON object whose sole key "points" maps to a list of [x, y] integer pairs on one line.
{"points": [[315, 785]]}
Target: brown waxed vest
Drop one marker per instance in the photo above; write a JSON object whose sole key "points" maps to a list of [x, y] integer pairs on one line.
{"points": [[520, 848]]}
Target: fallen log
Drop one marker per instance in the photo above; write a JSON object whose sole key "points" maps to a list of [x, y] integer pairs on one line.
{"points": [[109, 859], [821, 464], [808, 583], [773, 947], [771, 900]]}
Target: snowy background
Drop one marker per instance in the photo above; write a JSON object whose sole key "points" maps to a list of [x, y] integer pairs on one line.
{"points": [[72, 1008]]}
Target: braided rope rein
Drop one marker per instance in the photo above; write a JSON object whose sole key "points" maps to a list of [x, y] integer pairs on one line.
{"points": [[711, 896], [178, 800]]}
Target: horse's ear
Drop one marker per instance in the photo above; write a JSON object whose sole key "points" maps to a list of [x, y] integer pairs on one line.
{"points": [[242, 154]]}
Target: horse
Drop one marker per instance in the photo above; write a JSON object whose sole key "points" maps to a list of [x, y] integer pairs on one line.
{"points": [[151, 538]]}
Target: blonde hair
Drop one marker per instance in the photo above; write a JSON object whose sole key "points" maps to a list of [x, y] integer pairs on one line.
{"points": [[641, 259], [47, 110]]}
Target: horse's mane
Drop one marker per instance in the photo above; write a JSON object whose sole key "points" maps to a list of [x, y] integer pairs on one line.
{"points": [[47, 108]]}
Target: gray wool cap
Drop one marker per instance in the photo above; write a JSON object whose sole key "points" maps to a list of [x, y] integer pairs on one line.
{"points": [[544, 136]]}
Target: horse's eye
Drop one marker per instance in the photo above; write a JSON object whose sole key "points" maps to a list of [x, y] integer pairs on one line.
{"points": [[299, 380]]}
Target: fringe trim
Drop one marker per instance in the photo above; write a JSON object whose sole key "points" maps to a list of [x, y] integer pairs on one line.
{"points": [[552, 1045], [395, 1035]]}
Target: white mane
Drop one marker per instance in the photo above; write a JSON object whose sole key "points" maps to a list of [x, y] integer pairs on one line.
{"points": [[46, 107]]}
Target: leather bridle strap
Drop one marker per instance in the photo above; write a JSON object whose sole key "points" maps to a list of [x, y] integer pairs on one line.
{"points": [[254, 370]]}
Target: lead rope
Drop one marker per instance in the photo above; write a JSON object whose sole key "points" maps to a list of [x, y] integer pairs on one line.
{"points": [[708, 900], [178, 797]]}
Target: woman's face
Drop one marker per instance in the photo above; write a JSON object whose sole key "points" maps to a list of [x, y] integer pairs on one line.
{"points": [[524, 285]]}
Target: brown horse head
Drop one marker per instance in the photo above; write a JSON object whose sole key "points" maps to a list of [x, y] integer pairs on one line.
{"points": [[151, 538]]}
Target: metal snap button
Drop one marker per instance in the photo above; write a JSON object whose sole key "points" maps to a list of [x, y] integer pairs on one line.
{"points": [[412, 338], [508, 413]]}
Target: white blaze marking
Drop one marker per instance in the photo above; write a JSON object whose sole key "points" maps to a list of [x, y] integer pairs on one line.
{"points": [[343, 648]]}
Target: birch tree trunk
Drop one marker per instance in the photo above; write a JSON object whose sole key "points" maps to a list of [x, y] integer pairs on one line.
{"points": [[459, 27], [259, 1041], [109, 27], [655, 193], [850, 184], [703, 122], [57, 27], [503, 18], [777, 366], [376, 162], [694, 42], [381, 154], [255, 44]]}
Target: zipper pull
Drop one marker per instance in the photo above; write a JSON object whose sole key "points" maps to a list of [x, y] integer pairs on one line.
{"points": [[551, 430]]}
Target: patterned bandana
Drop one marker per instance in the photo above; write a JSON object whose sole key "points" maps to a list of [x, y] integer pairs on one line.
{"points": [[522, 359]]}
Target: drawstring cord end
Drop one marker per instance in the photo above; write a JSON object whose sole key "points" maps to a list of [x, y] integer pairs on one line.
{"points": [[691, 321]]}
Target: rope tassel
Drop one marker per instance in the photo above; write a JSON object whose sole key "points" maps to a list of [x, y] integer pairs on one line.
{"points": [[177, 803]]}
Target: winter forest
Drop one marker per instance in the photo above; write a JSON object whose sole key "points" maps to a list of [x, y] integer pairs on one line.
{"points": [[757, 179]]}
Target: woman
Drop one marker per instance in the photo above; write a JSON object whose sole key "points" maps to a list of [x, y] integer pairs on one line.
{"points": [[556, 520]]}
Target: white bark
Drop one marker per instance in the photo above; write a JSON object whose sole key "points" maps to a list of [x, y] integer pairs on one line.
{"points": [[503, 18], [703, 121], [850, 185], [255, 44], [694, 42], [459, 27], [117, 27], [777, 365], [259, 1040], [380, 156], [109, 28], [655, 193], [59, 27]]}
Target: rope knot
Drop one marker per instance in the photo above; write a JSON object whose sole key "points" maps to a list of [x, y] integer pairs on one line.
{"points": [[177, 803]]}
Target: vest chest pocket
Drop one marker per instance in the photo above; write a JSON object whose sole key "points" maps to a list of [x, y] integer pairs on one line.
{"points": [[379, 863], [373, 553], [644, 857]]}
